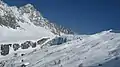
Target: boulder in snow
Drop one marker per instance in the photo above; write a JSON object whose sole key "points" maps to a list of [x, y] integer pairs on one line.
{"points": [[26, 45], [4, 49], [16, 46]]}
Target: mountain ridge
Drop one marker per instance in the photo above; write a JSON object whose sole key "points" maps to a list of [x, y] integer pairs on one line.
{"points": [[32, 16], [29, 40]]}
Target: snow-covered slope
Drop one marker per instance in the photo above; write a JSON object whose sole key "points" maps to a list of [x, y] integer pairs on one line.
{"points": [[29, 40], [98, 50], [25, 23], [15, 26]]}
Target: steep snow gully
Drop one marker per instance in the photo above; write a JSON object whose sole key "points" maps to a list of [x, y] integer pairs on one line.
{"points": [[29, 40]]}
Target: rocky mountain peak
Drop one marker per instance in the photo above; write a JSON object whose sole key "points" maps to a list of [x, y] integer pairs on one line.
{"points": [[12, 16], [28, 8]]}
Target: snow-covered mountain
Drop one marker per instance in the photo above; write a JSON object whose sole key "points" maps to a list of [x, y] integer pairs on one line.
{"points": [[29, 40], [25, 23], [97, 50]]}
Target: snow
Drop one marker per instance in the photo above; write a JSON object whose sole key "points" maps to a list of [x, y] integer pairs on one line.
{"points": [[91, 51], [100, 49], [26, 31], [30, 33]]}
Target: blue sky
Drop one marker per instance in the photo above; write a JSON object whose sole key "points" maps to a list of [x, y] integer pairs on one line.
{"points": [[82, 16]]}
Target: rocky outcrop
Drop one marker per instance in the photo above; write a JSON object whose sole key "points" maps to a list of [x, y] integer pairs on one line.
{"points": [[41, 41], [55, 41], [26, 45], [16, 46], [33, 45], [5, 49], [11, 16]]}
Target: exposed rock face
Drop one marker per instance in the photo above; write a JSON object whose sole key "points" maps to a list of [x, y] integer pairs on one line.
{"points": [[34, 45], [16, 47], [42, 41], [55, 41], [4, 49], [9, 21], [26, 45], [11, 16], [10, 45]]}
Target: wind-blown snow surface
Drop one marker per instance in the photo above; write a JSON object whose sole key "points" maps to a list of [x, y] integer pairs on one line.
{"points": [[25, 25], [98, 50], [31, 32]]}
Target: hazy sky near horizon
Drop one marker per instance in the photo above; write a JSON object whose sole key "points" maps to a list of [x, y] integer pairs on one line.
{"points": [[82, 16]]}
